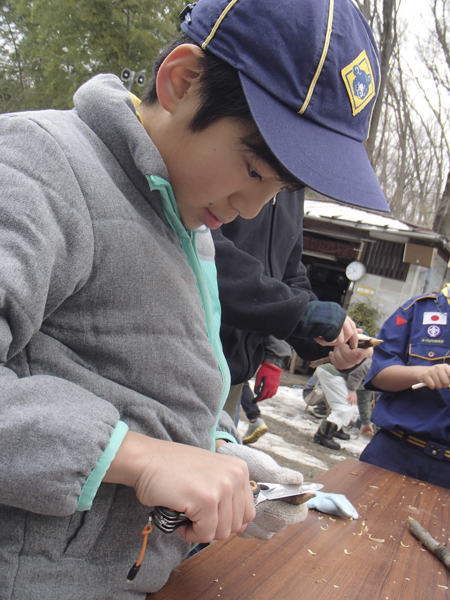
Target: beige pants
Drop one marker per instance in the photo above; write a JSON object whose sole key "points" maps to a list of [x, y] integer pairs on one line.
{"points": [[232, 402], [336, 393]]}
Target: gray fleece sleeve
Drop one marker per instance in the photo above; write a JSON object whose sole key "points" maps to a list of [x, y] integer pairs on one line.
{"points": [[52, 431], [226, 429], [358, 375]]}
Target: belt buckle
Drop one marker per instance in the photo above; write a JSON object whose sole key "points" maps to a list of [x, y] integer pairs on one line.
{"points": [[434, 450]]}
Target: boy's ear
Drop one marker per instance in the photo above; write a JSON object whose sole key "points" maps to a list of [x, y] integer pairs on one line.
{"points": [[177, 74]]}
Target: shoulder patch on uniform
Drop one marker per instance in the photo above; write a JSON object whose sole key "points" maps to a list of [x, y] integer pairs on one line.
{"points": [[417, 298], [400, 321], [359, 81]]}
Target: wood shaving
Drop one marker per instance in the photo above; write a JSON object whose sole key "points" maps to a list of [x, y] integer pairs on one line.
{"points": [[331, 519], [311, 552], [353, 473], [445, 587], [324, 528], [374, 539], [374, 486], [374, 547], [407, 579], [347, 552], [404, 545]]}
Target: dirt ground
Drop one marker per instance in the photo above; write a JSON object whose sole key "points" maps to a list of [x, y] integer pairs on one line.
{"points": [[290, 437]]}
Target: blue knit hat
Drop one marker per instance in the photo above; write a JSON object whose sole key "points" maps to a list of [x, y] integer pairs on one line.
{"points": [[310, 72]]}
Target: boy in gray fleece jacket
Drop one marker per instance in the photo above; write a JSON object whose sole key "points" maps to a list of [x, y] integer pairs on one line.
{"points": [[112, 376]]}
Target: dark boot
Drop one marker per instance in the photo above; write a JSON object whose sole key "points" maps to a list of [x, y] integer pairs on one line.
{"points": [[320, 411], [340, 434], [324, 435]]}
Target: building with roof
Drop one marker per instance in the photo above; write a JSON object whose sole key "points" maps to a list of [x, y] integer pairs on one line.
{"points": [[358, 255]]}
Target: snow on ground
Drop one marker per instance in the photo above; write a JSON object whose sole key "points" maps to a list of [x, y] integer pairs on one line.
{"points": [[288, 408]]}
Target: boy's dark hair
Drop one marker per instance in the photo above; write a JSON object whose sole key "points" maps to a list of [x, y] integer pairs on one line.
{"points": [[221, 96]]}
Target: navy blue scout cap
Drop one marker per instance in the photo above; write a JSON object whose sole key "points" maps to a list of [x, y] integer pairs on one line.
{"points": [[310, 72]]}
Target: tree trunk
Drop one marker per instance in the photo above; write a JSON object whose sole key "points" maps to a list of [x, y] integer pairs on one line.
{"points": [[442, 219], [387, 44]]}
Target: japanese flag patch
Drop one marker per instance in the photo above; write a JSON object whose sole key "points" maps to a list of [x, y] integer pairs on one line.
{"points": [[434, 318]]}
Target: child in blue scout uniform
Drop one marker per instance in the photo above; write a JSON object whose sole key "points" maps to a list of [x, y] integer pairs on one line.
{"points": [[414, 435], [112, 376]]}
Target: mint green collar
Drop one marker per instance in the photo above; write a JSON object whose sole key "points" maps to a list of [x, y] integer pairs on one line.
{"points": [[169, 204]]}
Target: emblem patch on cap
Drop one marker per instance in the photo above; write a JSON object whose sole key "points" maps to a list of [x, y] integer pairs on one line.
{"points": [[359, 81]]}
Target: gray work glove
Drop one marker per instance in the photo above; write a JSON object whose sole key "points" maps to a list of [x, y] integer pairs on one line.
{"points": [[274, 515], [333, 504]]}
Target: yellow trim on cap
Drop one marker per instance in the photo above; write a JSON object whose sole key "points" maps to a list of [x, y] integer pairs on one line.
{"points": [[322, 59], [218, 22]]}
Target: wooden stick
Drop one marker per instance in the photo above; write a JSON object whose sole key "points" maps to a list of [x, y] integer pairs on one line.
{"points": [[439, 550], [320, 361], [364, 341], [417, 386]]}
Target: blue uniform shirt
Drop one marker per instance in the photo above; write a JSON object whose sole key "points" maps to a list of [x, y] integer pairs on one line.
{"points": [[418, 333]]}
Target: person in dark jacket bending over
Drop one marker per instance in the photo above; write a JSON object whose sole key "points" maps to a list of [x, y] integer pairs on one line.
{"points": [[264, 291]]}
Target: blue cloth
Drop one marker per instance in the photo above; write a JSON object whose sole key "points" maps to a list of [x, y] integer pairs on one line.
{"points": [[413, 337], [404, 458]]}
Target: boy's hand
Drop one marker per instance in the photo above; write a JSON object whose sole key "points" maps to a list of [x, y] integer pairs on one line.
{"points": [[267, 381], [343, 357], [367, 429], [436, 377], [212, 490], [352, 397], [348, 335]]}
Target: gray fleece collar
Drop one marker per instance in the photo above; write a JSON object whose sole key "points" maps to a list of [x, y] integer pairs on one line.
{"points": [[106, 107]]}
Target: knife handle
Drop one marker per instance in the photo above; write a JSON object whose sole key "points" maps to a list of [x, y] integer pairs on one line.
{"points": [[167, 520]]}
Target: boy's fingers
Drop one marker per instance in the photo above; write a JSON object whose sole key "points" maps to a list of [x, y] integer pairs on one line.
{"points": [[230, 515], [343, 357], [437, 377], [350, 333]]}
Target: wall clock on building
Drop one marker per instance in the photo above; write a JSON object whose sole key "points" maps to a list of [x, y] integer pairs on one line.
{"points": [[355, 270]]}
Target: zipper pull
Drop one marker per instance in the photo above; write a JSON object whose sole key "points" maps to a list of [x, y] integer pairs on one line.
{"points": [[137, 565]]}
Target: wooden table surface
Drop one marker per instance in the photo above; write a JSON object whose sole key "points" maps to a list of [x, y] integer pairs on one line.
{"points": [[374, 557]]}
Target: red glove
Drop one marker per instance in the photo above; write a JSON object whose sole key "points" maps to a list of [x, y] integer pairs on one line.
{"points": [[267, 381]]}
